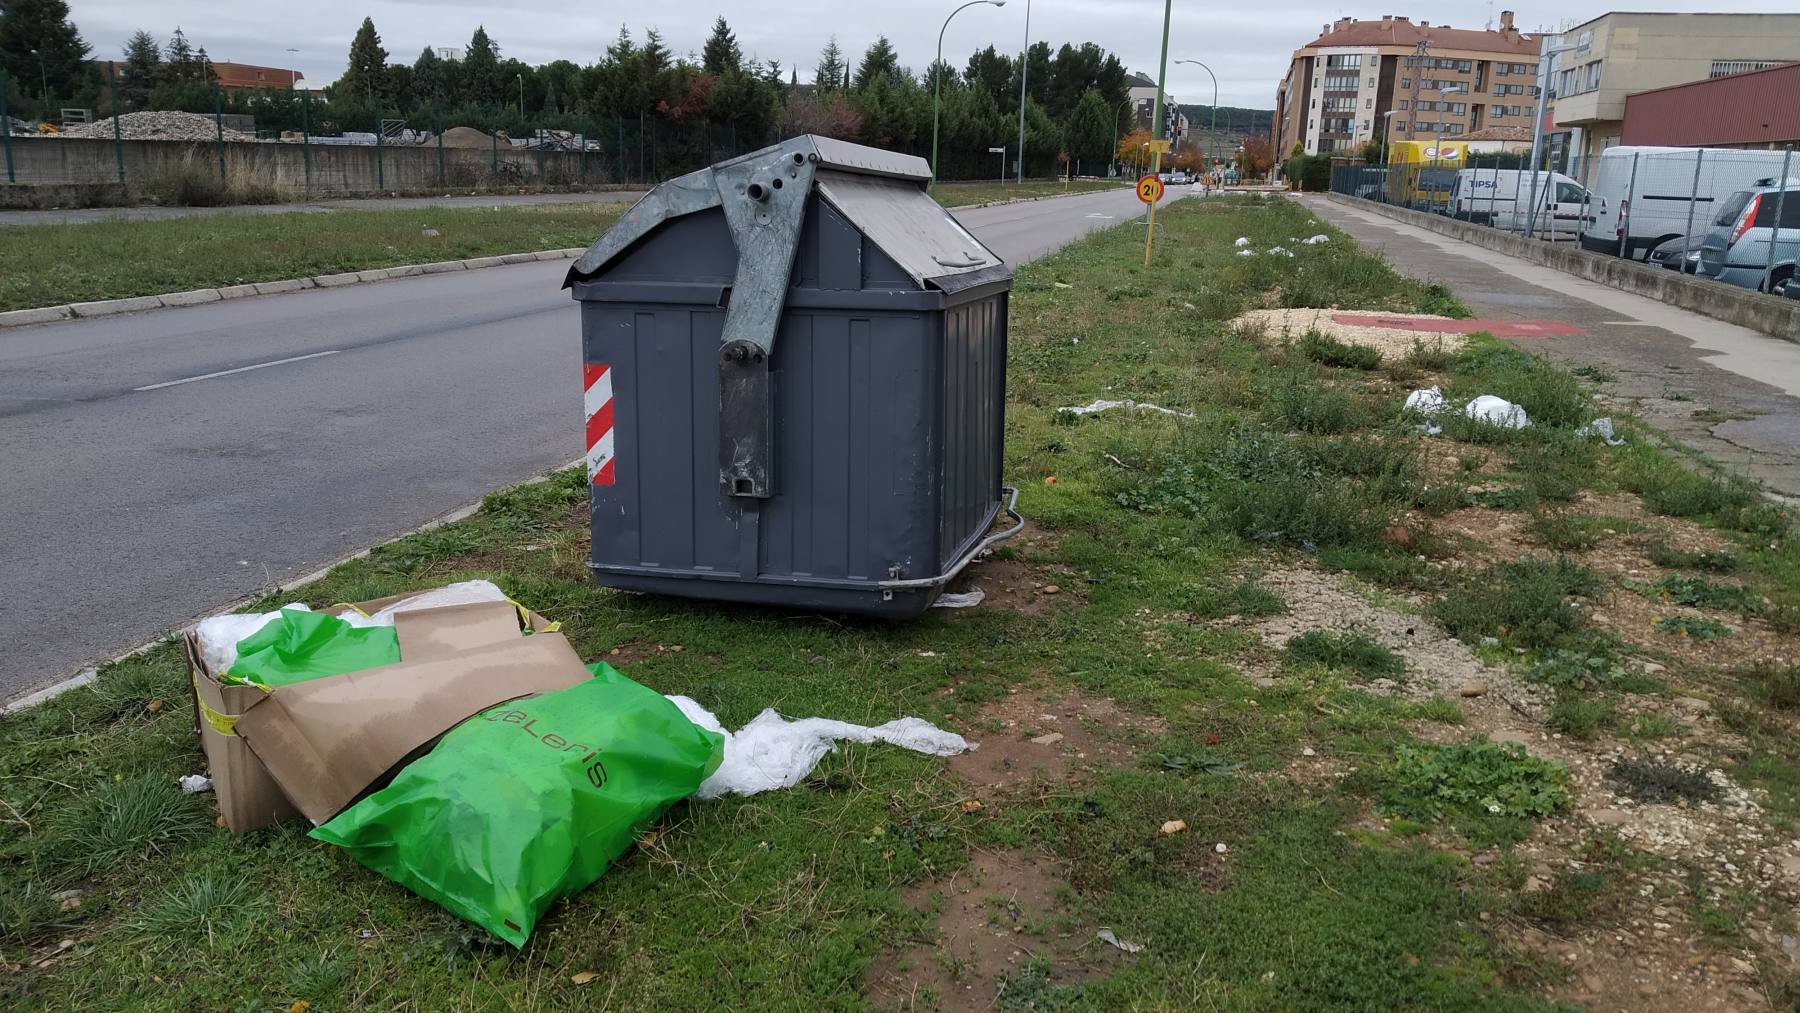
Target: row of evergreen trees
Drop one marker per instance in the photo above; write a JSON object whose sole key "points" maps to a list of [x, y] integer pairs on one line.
{"points": [[1074, 103]]}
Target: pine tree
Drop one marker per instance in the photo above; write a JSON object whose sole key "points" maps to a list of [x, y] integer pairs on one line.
{"points": [[428, 77], [143, 66], [879, 61], [60, 61], [1089, 134], [367, 74], [721, 52], [481, 69], [203, 68], [830, 72], [179, 66]]}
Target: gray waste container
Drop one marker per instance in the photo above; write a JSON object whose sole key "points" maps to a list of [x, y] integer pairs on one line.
{"points": [[796, 376]]}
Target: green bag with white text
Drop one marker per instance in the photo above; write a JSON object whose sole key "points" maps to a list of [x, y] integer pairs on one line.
{"points": [[530, 801]]}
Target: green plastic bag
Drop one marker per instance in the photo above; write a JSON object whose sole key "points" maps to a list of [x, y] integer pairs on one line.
{"points": [[305, 645], [530, 801]]}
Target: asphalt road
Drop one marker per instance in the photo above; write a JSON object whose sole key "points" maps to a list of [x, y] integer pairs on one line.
{"points": [[82, 216], [164, 464]]}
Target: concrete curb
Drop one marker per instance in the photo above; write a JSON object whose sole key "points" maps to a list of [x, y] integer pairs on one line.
{"points": [[1778, 318], [1028, 200], [199, 296]]}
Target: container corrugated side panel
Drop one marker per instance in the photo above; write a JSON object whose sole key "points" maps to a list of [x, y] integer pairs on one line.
{"points": [[974, 372], [853, 494]]}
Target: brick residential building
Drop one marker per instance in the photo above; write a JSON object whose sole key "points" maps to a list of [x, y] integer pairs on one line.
{"points": [[1340, 86], [231, 76]]}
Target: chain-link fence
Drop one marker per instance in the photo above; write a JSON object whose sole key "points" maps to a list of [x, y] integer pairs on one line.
{"points": [[1731, 214], [181, 156]]}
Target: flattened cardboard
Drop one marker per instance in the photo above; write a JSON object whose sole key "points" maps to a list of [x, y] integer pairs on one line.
{"points": [[441, 632], [324, 741], [248, 798]]}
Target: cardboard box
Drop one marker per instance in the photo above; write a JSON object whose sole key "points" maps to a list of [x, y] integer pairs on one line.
{"points": [[456, 661]]}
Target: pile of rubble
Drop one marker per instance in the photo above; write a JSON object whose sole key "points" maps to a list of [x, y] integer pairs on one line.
{"points": [[159, 126]]}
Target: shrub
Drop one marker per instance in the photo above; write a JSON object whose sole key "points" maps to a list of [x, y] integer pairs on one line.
{"points": [[1479, 779], [1308, 406], [1525, 602], [1698, 592], [1438, 300], [1578, 717], [1774, 686], [1332, 352], [1663, 554], [1670, 489], [1693, 627], [1661, 781], [1353, 650], [1576, 669]]}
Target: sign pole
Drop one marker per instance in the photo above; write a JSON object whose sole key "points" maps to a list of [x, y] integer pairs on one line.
{"points": [[1157, 116]]}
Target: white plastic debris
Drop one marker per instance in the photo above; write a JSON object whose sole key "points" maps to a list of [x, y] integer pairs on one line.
{"points": [[1280, 251], [1246, 253], [219, 635], [965, 600], [772, 752], [1106, 406], [1603, 428], [1497, 411], [1242, 241], [1108, 937], [1429, 401], [1316, 240], [194, 784]]}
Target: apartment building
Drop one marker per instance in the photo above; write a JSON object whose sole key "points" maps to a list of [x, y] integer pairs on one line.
{"points": [[1140, 90], [1362, 80], [1622, 54]]}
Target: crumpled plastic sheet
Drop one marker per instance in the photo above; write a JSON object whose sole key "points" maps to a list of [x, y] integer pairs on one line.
{"points": [[1246, 253], [1242, 241], [1316, 240], [1429, 401], [1497, 411], [219, 635], [1106, 406], [772, 752], [964, 600], [194, 784], [1280, 251], [1603, 428]]}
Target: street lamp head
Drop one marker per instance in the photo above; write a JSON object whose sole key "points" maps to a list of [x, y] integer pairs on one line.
{"points": [[997, 3]]}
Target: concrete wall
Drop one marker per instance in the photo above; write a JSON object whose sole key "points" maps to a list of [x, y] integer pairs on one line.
{"points": [[1764, 313], [335, 168]]}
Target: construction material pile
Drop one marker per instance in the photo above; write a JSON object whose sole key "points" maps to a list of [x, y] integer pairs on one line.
{"points": [[159, 126]]}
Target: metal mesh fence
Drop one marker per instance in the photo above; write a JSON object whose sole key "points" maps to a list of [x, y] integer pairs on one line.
{"points": [[376, 155], [1732, 214]]}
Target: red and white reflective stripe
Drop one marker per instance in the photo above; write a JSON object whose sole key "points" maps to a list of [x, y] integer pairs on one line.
{"points": [[599, 404]]}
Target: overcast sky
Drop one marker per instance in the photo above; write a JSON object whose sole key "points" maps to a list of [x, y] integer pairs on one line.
{"points": [[1246, 44]]}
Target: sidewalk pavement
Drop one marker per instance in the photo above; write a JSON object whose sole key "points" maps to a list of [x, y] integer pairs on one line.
{"points": [[78, 216], [1724, 391]]}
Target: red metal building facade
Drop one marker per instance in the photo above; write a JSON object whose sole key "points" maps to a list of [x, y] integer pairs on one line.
{"points": [[1759, 109]]}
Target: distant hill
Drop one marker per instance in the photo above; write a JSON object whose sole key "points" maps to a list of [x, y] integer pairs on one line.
{"points": [[1233, 121]]}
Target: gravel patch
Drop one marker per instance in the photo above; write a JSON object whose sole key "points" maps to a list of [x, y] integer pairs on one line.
{"points": [[1295, 323]]}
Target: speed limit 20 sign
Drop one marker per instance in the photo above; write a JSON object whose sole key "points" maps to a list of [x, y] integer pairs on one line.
{"points": [[1149, 189]]}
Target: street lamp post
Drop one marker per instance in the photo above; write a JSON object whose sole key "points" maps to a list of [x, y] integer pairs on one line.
{"points": [[1115, 151], [1387, 123], [1437, 145], [938, 91], [43, 83], [1212, 132], [521, 95], [1024, 72], [1546, 73]]}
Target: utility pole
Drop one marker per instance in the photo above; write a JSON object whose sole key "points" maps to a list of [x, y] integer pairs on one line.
{"points": [[1162, 73], [1024, 72]]}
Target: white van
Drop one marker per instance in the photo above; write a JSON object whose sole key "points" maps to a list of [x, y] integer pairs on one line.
{"points": [[1502, 198], [1654, 208]]}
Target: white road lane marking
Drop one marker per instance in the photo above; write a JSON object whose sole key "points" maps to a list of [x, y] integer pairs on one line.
{"points": [[228, 372]]}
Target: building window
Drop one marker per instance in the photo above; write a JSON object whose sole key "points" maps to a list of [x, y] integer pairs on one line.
{"points": [[1458, 109], [1344, 60], [1726, 68], [1340, 82], [1368, 103], [1371, 83], [1496, 111], [1399, 125], [1405, 103], [1593, 75], [1406, 82]]}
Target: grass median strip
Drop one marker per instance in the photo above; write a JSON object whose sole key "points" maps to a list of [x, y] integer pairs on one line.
{"points": [[49, 265], [1320, 825], [960, 194]]}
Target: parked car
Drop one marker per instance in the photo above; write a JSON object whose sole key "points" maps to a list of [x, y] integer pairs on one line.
{"points": [[1736, 250], [1180, 178], [1679, 254], [1643, 195]]}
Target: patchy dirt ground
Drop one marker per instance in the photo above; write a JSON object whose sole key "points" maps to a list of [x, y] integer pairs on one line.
{"points": [[1027, 736], [1279, 324], [1016, 578], [1005, 915]]}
